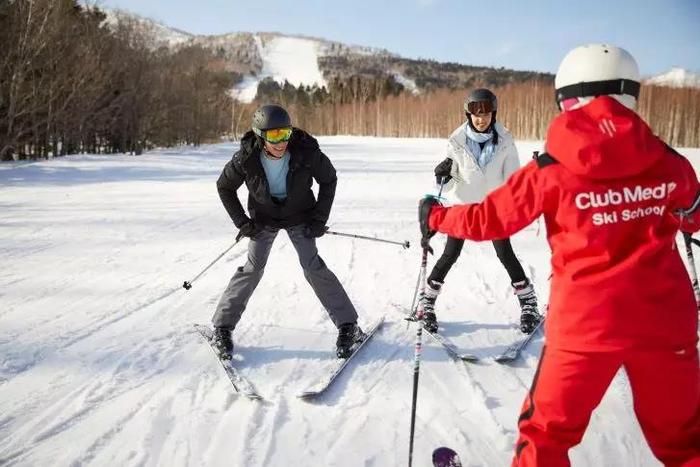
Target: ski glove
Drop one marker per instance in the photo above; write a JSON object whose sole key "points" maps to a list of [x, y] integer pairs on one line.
{"points": [[315, 229], [443, 171], [424, 207], [250, 229]]}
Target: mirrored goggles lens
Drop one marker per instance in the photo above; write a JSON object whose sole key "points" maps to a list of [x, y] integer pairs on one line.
{"points": [[277, 135], [480, 107]]}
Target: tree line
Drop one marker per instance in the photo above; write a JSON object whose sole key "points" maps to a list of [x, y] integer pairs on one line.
{"points": [[70, 83], [372, 107]]}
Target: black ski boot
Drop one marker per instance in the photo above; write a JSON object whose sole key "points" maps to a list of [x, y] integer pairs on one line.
{"points": [[349, 334], [529, 316], [426, 304], [222, 342]]}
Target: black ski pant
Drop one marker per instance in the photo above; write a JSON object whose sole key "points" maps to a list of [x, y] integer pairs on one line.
{"points": [[453, 248]]}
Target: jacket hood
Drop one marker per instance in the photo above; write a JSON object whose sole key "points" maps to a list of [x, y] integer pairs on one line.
{"points": [[603, 140]]}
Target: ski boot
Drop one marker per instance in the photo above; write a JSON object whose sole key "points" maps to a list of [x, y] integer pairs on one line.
{"points": [[426, 304], [529, 316], [349, 335], [222, 342]]}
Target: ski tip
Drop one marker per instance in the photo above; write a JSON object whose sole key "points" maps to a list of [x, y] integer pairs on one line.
{"points": [[467, 357], [505, 359], [446, 457]]}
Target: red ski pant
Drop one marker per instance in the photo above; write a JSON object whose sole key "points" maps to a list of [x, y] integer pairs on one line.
{"points": [[568, 386]]}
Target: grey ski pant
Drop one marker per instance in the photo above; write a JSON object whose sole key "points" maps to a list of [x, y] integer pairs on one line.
{"points": [[246, 278]]}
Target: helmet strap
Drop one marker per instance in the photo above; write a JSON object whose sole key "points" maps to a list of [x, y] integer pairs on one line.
{"points": [[598, 88]]}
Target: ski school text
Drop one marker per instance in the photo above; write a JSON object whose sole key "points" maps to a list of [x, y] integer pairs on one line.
{"points": [[601, 218]]}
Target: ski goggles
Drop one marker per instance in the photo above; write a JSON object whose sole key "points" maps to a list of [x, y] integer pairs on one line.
{"points": [[480, 107], [277, 135]]}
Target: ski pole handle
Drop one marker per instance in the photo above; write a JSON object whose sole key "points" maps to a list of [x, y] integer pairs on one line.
{"points": [[404, 244]]}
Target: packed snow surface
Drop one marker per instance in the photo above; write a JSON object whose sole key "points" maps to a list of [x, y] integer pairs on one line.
{"points": [[99, 364]]}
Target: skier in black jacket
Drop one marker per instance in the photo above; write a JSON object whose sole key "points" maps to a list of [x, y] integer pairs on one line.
{"points": [[278, 163]]}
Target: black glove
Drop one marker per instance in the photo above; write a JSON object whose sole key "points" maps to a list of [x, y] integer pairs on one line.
{"points": [[443, 171], [315, 229], [424, 207], [250, 229]]}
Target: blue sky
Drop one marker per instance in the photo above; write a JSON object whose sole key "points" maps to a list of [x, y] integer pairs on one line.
{"points": [[519, 34]]}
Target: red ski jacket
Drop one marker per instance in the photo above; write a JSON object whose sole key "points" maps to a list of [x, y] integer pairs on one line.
{"points": [[609, 191]]}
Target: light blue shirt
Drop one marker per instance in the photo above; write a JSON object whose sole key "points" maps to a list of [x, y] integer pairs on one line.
{"points": [[276, 172]]}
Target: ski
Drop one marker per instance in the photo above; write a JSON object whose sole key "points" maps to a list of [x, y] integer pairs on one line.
{"points": [[449, 347], [239, 382], [513, 351], [325, 382], [446, 457]]}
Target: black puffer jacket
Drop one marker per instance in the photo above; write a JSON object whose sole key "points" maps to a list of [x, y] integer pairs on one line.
{"points": [[307, 163]]}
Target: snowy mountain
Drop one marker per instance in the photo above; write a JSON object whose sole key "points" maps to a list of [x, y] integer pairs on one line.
{"points": [[676, 78], [100, 365], [311, 61], [284, 58], [162, 35]]}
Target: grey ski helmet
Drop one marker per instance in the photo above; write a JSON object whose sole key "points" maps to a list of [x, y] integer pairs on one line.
{"points": [[268, 117]]}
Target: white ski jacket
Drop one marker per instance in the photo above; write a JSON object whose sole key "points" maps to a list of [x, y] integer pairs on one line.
{"points": [[470, 183]]}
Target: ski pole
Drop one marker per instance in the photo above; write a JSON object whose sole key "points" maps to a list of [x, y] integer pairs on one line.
{"points": [[689, 241], [420, 274], [416, 362], [415, 291], [422, 280], [187, 285], [404, 244], [442, 184]]}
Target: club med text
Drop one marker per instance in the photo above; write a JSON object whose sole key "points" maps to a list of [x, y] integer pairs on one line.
{"points": [[635, 194]]}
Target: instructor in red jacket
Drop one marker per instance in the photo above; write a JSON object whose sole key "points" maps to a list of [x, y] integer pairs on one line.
{"points": [[613, 197]]}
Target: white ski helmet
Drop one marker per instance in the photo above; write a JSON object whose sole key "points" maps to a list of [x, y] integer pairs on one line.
{"points": [[597, 69]]}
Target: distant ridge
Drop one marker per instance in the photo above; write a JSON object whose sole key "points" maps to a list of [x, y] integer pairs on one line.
{"points": [[311, 61]]}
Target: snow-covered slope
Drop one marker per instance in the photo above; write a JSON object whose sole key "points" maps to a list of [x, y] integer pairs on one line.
{"points": [[293, 59], [161, 34], [407, 83], [676, 78], [99, 364]]}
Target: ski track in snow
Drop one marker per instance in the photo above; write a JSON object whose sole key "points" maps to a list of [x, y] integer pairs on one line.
{"points": [[99, 364]]}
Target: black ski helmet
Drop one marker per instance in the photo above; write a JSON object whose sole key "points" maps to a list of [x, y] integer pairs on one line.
{"points": [[268, 117], [480, 101]]}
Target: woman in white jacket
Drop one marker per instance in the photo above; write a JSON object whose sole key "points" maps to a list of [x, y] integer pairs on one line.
{"points": [[481, 155]]}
